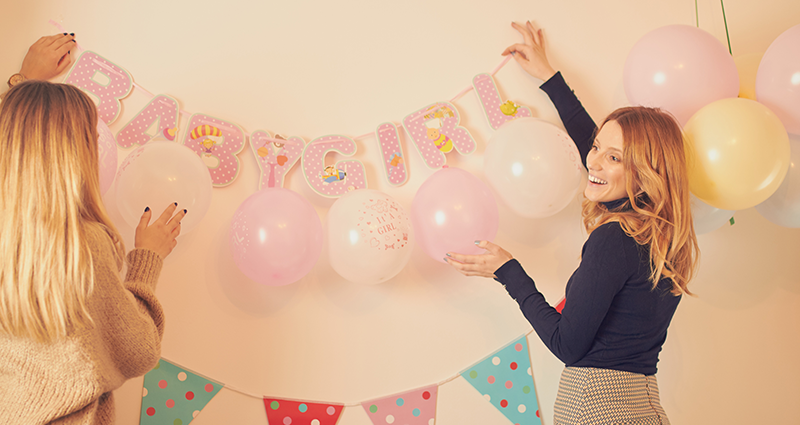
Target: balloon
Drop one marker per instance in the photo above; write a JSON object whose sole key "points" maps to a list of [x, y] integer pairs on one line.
{"points": [[783, 207], [679, 68], [369, 236], [158, 174], [707, 218], [738, 153], [107, 155], [778, 79], [533, 166], [275, 237], [451, 210], [747, 65]]}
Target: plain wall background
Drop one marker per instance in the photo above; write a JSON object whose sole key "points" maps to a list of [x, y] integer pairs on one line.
{"points": [[310, 68]]}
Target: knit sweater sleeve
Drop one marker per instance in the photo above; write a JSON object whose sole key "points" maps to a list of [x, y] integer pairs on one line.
{"points": [[604, 269], [144, 266], [579, 124]]}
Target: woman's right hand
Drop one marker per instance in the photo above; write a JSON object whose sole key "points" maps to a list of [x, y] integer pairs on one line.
{"points": [[159, 236], [531, 53]]}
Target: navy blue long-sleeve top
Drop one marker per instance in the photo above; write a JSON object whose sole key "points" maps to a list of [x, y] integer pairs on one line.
{"points": [[613, 318]]}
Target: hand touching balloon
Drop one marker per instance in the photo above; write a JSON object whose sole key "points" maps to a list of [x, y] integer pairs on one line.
{"points": [[483, 265], [531, 53], [159, 236]]}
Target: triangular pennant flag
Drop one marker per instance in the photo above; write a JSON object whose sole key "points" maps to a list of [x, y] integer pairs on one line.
{"points": [[561, 304], [415, 407], [505, 380], [173, 395], [291, 412]]}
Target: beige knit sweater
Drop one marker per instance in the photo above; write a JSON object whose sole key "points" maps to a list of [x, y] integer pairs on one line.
{"points": [[70, 381]]}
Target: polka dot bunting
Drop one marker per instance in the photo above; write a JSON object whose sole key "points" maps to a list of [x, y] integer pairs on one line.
{"points": [[415, 407], [275, 158], [172, 395], [293, 412], [391, 153], [504, 380], [496, 111], [433, 123], [161, 113]]}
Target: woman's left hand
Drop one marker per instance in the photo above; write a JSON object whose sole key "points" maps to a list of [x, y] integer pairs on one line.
{"points": [[480, 265]]}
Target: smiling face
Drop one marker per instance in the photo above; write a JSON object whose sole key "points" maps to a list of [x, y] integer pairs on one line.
{"points": [[604, 161]]}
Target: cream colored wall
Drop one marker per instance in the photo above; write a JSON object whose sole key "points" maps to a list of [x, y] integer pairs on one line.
{"points": [[309, 68]]}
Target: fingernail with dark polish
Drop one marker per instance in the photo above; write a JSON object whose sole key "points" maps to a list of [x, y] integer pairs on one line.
{"points": [[72, 34], [477, 242], [65, 33], [184, 211], [146, 209], [445, 260], [176, 204], [448, 254]]}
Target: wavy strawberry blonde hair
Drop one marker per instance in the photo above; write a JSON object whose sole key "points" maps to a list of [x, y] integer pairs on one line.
{"points": [[657, 212], [50, 196]]}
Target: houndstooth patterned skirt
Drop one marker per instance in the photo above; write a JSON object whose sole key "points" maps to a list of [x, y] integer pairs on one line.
{"points": [[588, 396]]}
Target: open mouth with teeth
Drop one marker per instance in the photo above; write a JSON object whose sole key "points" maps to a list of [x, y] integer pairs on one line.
{"points": [[595, 180]]}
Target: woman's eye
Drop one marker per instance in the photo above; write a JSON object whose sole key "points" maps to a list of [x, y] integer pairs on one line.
{"points": [[614, 158]]}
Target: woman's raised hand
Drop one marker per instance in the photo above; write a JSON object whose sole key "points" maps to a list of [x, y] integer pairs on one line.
{"points": [[531, 53], [48, 57], [159, 236], [483, 265]]}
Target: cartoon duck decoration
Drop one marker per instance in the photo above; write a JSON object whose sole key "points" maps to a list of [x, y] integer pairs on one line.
{"points": [[207, 131], [509, 108], [331, 174], [440, 140]]}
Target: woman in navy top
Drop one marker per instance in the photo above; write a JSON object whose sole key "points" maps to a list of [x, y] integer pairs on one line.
{"points": [[635, 265]]}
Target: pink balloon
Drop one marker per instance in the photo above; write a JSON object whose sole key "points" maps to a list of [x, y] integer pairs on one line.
{"points": [[778, 79], [679, 68], [107, 155], [451, 210], [275, 237]]}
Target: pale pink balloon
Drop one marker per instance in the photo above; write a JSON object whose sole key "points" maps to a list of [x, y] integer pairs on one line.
{"points": [[369, 236], [679, 68], [107, 155], [778, 79], [451, 210], [275, 237]]}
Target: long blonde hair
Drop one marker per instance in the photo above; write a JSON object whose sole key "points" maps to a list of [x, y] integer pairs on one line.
{"points": [[49, 196], [657, 212]]}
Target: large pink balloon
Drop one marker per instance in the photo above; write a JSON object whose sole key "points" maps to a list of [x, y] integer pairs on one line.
{"points": [[158, 174], [679, 68], [107, 155], [369, 236], [451, 210], [275, 237], [778, 79]]}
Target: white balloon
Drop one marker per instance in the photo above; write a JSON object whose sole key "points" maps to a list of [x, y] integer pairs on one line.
{"points": [[707, 218], [158, 174], [369, 236], [533, 166], [783, 207]]}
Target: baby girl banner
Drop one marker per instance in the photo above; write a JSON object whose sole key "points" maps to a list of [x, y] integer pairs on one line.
{"points": [[434, 131]]}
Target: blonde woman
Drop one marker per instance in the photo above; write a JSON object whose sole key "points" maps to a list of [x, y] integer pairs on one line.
{"points": [[70, 330], [639, 257]]}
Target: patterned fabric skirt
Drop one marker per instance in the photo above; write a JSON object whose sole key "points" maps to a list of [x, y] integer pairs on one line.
{"points": [[602, 396]]}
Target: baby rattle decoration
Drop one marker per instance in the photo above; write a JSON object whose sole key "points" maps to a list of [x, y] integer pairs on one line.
{"points": [[160, 113], [392, 153], [332, 180], [496, 112], [102, 79], [435, 132], [275, 156], [217, 142]]}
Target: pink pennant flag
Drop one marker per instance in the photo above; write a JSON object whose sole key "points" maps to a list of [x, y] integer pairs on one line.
{"points": [[415, 407], [295, 412]]}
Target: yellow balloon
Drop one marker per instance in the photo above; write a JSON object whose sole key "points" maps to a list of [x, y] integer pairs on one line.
{"points": [[738, 153], [747, 65]]}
